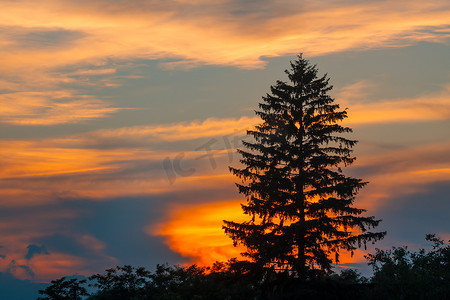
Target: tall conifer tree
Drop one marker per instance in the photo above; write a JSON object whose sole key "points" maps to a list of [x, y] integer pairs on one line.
{"points": [[299, 202]]}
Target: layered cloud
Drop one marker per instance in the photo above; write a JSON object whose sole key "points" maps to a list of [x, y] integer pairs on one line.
{"points": [[45, 48], [51, 108], [429, 107], [404, 171], [67, 32], [208, 128], [185, 162], [117, 162], [150, 156], [25, 258]]}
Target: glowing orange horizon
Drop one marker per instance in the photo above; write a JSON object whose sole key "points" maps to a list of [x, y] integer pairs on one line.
{"points": [[195, 232]]}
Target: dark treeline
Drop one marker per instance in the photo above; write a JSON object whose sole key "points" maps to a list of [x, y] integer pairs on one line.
{"points": [[398, 274]]}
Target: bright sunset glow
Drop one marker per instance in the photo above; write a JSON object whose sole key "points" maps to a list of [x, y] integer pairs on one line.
{"points": [[119, 120], [196, 232]]}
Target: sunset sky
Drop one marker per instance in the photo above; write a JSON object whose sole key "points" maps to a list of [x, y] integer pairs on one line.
{"points": [[119, 119]]}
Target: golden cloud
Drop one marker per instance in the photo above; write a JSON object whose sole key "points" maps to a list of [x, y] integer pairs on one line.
{"points": [[212, 127], [37, 41], [43, 268], [214, 34], [117, 157], [50, 108], [195, 231], [405, 171], [429, 107]]}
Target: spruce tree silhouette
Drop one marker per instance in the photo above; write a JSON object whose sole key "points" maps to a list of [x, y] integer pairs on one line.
{"points": [[299, 202]]}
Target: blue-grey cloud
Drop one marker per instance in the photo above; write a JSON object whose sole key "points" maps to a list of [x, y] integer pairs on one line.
{"points": [[43, 38], [34, 250], [409, 218], [118, 224]]}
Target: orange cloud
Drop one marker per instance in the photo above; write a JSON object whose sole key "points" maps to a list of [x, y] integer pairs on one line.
{"points": [[28, 159], [55, 265], [402, 171], [17, 234], [211, 127], [43, 268], [34, 172], [42, 170], [195, 231], [111, 163], [37, 41], [107, 156], [50, 108], [429, 107], [212, 33]]}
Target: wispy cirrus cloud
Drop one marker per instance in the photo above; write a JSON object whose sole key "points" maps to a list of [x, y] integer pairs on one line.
{"points": [[51, 108], [423, 108], [45, 47], [212, 127], [204, 33], [405, 171], [135, 155]]}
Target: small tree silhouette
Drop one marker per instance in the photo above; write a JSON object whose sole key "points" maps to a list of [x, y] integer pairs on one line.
{"points": [[402, 274], [64, 289]]}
